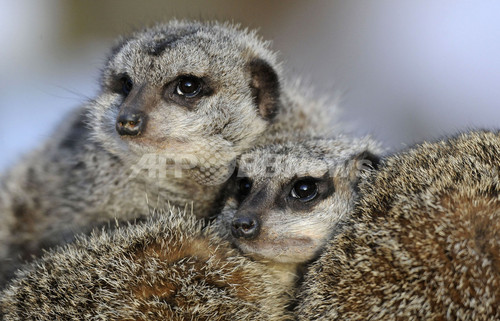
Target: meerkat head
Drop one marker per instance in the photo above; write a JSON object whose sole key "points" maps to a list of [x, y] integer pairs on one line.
{"points": [[203, 89], [288, 198]]}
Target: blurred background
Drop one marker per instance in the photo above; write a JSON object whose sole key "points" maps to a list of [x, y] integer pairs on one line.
{"points": [[407, 70]]}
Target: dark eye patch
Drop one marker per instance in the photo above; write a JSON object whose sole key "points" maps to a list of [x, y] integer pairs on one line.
{"points": [[187, 90], [121, 84], [303, 193], [189, 86], [244, 186], [304, 190], [127, 85]]}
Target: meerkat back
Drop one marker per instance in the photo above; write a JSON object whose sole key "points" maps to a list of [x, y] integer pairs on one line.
{"points": [[167, 268], [423, 243]]}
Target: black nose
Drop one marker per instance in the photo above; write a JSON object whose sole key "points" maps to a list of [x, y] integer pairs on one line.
{"points": [[131, 124], [246, 227]]}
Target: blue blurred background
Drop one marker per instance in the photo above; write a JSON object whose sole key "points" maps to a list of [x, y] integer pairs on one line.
{"points": [[407, 70]]}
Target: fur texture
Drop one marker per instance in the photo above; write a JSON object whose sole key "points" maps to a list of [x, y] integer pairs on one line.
{"points": [[178, 103], [167, 268], [423, 242], [289, 196]]}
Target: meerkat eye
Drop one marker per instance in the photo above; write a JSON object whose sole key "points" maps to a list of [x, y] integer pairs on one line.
{"points": [[244, 187], [126, 85], [188, 86], [304, 190]]}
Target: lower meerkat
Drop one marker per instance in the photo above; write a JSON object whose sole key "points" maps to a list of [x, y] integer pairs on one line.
{"points": [[166, 268], [289, 196], [423, 242], [178, 103], [169, 268]]}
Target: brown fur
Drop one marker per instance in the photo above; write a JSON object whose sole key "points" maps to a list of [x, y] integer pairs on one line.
{"points": [[423, 242], [167, 268]]}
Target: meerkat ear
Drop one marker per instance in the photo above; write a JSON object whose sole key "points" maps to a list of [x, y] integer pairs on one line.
{"points": [[363, 163], [265, 88], [366, 160]]}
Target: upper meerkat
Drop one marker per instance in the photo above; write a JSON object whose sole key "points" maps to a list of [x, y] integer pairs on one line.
{"points": [[289, 196], [178, 103], [423, 242]]}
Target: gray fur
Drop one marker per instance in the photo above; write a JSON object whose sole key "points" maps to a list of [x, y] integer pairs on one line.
{"points": [[87, 174]]}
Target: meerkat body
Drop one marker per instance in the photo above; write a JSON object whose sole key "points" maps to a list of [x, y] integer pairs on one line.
{"points": [[166, 268], [178, 103], [289, 196], [423, 242], [169, 268]]}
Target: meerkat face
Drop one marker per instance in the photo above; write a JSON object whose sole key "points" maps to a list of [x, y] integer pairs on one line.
{"points": [[288, 199], [185, 88]]}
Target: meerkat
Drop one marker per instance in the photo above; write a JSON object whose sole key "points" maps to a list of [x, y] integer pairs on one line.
{"points": [[423, 242], [178, 103], [289, 196], [171, 268], [166, 268]]}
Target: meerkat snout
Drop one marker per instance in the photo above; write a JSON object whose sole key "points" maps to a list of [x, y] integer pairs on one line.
{"points": [[131, 124], [133, 114], [245, 226]]}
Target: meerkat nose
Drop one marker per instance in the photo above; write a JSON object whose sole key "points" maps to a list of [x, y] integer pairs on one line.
{"points": [[131, 124], [246, 227]]}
